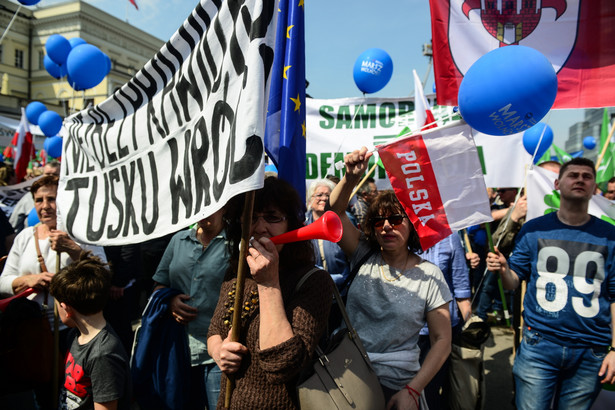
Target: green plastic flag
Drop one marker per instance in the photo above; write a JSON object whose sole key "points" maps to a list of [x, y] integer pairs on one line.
{"points": [[562, 155], [605, 169], [545, 157]]}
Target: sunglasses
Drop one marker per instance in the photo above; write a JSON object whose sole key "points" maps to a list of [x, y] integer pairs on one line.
{"points": [[269, 218], [394, 220]]}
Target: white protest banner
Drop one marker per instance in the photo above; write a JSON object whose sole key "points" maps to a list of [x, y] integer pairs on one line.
{"points": [[542, 198], [503, 158], [181, 138], [11, 194], [336, 127]]}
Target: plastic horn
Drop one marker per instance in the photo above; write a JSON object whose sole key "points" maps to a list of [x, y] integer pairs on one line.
{"points": [[327, 227]]}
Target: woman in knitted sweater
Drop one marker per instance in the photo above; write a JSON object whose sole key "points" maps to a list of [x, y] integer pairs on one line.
{"points": [[281, 325]]}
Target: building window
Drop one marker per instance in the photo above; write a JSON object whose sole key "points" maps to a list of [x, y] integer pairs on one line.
{"points": [[19, 58], [41, 60], [0, 54]]}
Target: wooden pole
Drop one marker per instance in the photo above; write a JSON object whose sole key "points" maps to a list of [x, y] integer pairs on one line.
{"points": [[360, 184], [500, 287], [248, 207], [55, 385]]}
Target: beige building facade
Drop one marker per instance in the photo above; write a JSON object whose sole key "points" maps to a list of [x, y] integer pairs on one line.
{"points": [[23, 75]]}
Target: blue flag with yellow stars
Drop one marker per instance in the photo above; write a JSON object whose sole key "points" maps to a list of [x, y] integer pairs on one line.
{"points": [[285, 128]]}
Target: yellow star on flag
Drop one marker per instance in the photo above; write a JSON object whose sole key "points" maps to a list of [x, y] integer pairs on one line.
{"points": [[285, 70], [301, 3], [288, 30], [303, 128], [297, 102]]}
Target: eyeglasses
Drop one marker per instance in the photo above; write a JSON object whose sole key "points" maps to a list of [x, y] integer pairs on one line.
{"points": [[321, 196], [269, 218], [394, 220]]}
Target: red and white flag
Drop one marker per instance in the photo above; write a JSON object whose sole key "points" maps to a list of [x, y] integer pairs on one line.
{"points": [[576, 36], [134, 3], [438, 179], [24, 151], [422, 109]]}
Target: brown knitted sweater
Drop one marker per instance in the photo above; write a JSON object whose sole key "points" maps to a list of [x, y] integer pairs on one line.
{"points": [[267, 378]]}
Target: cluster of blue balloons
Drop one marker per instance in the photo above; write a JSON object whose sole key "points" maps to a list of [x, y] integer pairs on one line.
{"points": [[50, 123], [372, 70], [83, 64], [507, 90]]}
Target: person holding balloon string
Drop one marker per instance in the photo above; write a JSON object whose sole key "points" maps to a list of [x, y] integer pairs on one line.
{"points": [[394, 292], [281, 324]]}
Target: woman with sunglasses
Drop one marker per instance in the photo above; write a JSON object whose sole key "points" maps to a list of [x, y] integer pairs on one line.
{"points": [[281, 322], [394, 292]]}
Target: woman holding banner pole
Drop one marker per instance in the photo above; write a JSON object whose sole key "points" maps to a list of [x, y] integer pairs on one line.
{"points": [[394, 292], [280, 322]]}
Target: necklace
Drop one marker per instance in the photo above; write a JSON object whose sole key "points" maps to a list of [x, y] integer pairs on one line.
{"points": [[389, 266]]}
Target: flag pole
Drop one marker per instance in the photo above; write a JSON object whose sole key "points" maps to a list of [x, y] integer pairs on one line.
{"points": [[604, 148], [246, 222], [500, 286], [55, 378]]}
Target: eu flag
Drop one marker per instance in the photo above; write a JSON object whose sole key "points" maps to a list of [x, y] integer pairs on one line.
{"points": [[285, 128]]}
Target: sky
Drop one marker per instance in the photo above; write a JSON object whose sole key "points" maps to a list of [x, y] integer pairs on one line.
{"points": [[337, 32]]}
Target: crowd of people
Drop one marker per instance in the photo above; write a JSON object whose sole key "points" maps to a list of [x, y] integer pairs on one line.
{"points": [[410, 307]]}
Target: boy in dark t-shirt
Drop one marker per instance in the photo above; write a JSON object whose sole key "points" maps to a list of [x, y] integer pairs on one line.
{"points": [[97, 369]]}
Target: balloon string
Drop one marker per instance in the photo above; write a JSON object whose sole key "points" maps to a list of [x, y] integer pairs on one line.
{"points": [[10, 24]]}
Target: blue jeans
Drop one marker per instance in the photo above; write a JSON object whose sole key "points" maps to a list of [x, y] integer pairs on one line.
{"points": [[544, 369], [205, 386]]}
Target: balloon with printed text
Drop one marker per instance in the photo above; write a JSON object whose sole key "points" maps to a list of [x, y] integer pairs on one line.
{"points": [[53, 146], [57, 48], [541, 134], [372, 70], [28, 2], [589, 142], [50, 122], [34, 111], [87, 66], [507, 91]]}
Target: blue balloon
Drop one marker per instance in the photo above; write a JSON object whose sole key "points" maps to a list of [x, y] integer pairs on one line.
{"points": [[28, 2], [507, 91], [57, 48], [589, 142], [50, 123], [87, 66], [33, 217], [34, 111], [54, 70], [53, 146], [76, 41], [532, 137], [372, 70]]}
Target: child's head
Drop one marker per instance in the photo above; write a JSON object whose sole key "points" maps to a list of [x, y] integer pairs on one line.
{"points": [[83, 285]]}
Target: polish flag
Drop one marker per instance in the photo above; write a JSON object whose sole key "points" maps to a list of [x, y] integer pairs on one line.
{"points": [[437, 177], [25, 148], [576, 36], [422, 109]]}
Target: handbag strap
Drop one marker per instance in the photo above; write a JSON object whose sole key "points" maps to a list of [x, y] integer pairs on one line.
{"points": [[39, 256], [305, 278], [355, 270]]}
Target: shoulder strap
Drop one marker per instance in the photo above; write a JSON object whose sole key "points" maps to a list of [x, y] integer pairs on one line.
{"points": [[305, 278], [355, 270], [39, 256]]}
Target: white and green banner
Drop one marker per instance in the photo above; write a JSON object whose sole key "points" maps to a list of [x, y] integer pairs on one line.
{"points": [[338, 126], [542, 197]]}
